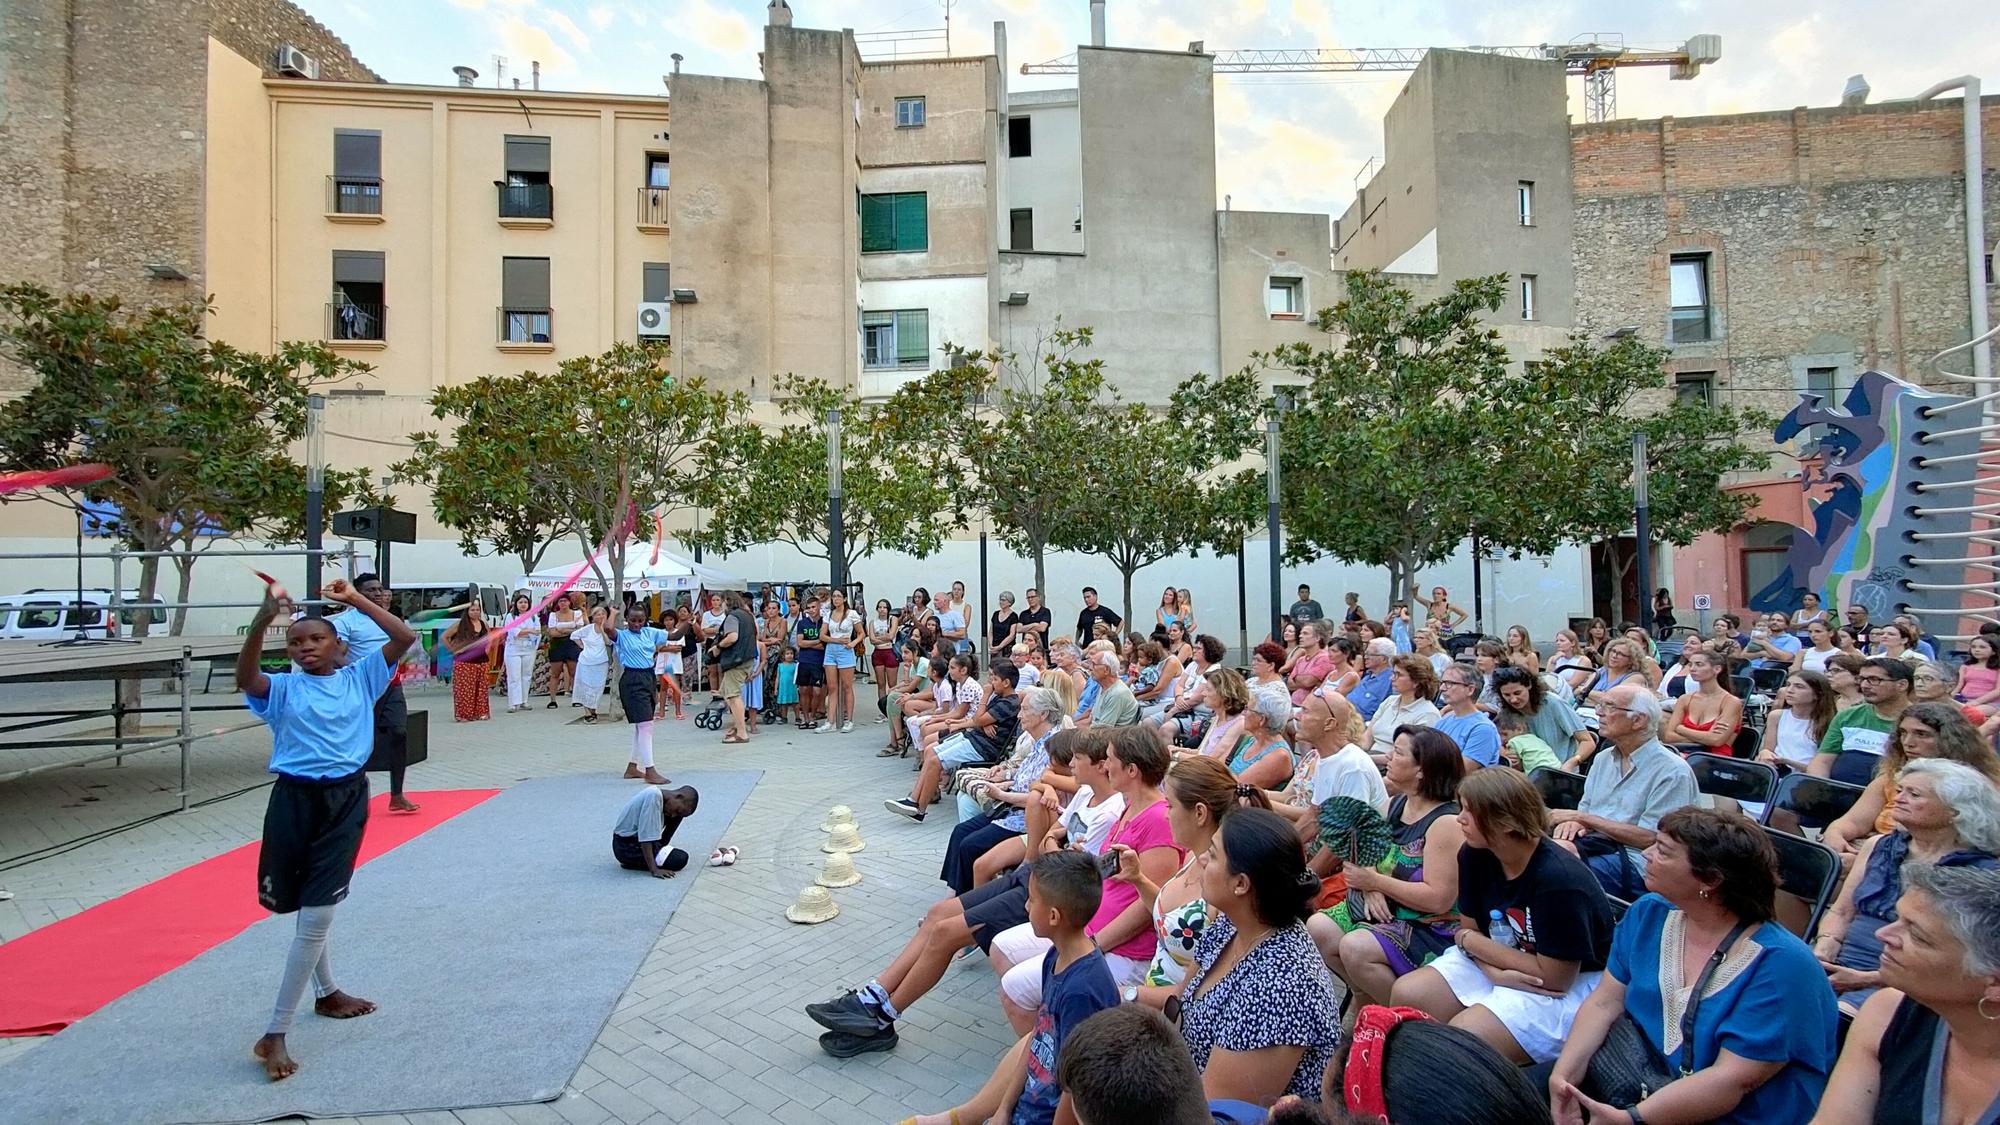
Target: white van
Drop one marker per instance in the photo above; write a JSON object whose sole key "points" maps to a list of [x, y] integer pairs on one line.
{"points": [[54, 615]]}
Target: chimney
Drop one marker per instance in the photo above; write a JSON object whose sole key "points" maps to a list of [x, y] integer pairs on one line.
{"points": [[1856, 92], [1097, 23], [778, 14], [535, 69], [676, 56], [466, 74]]}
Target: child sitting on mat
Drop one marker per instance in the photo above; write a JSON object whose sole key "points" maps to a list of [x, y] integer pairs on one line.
{"points": [[639, 840], [322, 720]]}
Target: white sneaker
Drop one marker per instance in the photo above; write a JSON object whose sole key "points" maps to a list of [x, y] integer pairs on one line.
{"points": [[825, 726], [847, 727]]}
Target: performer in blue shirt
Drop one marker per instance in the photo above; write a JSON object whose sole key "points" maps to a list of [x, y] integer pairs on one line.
{"points": [[638, 688], [322, 720], [364, 640]]}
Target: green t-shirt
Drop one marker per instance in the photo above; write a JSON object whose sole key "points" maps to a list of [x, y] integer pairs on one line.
{"points": [[1534, 752], [1115, 707], [1859, 736]]}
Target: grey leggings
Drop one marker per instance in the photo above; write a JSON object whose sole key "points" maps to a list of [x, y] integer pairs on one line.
{"points": [[308, 958]]}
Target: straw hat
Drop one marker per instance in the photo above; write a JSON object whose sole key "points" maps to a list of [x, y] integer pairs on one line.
{"points": [[837, 816], [838, 871], [843, 838], [814, 906]]}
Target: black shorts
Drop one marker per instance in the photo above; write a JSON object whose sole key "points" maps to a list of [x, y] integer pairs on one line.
{"points": [[996, 906], [630, 853], [638, 692], [812, 675], [312, 831]]}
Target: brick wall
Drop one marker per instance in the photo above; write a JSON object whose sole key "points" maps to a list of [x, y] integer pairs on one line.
{"points": [[252, 28]]}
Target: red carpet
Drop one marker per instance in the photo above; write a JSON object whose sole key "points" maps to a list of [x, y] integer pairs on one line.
{"points": [[56, 975]]}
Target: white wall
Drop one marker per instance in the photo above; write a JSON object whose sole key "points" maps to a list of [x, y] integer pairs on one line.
{"points": [[1051, 179], [958, 316]]}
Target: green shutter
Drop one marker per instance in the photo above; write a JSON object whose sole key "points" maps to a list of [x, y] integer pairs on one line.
{"points": [[912, 222], [913, 337], [878, 223]]}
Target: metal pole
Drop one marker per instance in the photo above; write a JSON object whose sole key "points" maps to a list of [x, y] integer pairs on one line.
{"points": [[1478, 587], [985, 608], [1642, 532], [315, 496], [1242, 602], [1975, 232], [187, 723], [836, 538], [1271, 517]]}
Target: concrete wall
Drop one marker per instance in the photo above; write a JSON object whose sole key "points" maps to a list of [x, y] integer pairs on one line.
{"points": [[236, 250], [957, 307], [1398, 205], [815, 233], [722, 229], [1048, 181], [1252, 248]]}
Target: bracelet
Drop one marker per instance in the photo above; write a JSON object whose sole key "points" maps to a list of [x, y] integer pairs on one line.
{"points": [[1633, 1113]]}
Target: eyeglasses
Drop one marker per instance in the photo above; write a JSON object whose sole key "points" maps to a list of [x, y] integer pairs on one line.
{"points": [[1872, 679], [1603, 707]]}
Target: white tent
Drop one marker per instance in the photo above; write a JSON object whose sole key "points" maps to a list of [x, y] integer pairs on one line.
{"points": [[642, 575]]}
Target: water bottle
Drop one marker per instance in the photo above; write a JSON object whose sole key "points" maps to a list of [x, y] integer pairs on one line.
{"points": [[1501, 933]]}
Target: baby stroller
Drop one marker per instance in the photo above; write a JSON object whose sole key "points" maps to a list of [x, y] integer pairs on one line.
{"points": [[711, 714]]}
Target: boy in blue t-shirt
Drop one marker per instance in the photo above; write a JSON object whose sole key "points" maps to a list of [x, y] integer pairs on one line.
{"points": [[322, 720], [1064, 891]]}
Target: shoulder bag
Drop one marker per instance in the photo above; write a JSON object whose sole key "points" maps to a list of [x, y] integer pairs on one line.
{"points": [[1626, 1070]]}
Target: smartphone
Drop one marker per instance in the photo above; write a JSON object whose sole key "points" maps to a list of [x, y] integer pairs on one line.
{"points": [[1107, 864]]}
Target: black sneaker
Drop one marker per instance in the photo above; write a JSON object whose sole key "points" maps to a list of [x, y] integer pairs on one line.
{"points": [[847, 1015], [843, 1045], [903, 806]]}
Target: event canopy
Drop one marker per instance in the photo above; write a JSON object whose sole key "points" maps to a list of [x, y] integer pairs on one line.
{"points": [[642, 575]]}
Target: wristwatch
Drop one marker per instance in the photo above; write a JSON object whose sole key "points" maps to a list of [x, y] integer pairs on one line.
{"points": [[1130, 993]]}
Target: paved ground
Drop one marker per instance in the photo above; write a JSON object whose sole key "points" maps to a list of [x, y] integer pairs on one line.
{"points": [[711, 1029]]}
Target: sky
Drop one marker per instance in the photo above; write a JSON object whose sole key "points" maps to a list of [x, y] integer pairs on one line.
{"points": [[1283, 142]]}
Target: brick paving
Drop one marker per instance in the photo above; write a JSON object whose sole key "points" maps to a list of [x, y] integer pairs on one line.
{"points": [[711, 1029]]}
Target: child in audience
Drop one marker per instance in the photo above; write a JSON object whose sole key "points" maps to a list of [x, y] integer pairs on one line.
{"points": [[1522, 746], [788, 683]]}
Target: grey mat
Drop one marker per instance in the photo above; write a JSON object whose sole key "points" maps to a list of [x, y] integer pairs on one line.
{"points": [[496, 944]]}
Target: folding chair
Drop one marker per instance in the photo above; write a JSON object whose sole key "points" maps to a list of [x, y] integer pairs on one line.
{"points": [[1740, 781], [1747, 742], [1805, 801], [1808, 876], [1560, 789], [1768, 680]]}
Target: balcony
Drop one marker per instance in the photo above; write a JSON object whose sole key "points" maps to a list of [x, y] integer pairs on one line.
{"points": [[356, 325], [526, 206], [354, 199], [525, 330], [653, 208]]}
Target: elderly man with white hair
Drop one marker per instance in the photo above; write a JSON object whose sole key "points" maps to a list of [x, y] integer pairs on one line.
{"points": [[1374, 687], [1115, 705], [1626, 794]]}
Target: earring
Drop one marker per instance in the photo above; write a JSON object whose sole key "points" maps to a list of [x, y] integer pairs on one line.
{"points": [[1981, 1009], [1704, 892]]}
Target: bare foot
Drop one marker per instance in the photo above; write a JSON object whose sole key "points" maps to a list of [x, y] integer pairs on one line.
{"points": [[655, 777], [632, 771], [270, 1050], [339, 1005], [400, 803]]}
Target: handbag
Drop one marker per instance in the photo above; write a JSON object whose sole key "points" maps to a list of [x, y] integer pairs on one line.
{"points": [[1626, 1070]]}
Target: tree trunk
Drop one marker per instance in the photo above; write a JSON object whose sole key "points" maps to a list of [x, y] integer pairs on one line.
{"points": [[1040, 550], [184, 564], [1131, 626]]}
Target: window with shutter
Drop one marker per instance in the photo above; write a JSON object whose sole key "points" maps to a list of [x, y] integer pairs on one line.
{"points": [[912, 222], [357, 310], [525, 193], [894, 223], [913, 338], [524, 301], [896, 338], [357, 172], [657, 283]]}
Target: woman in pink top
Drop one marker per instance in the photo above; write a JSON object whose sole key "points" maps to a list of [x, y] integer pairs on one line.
{"points": [[1311, 665], [1123, 926]]}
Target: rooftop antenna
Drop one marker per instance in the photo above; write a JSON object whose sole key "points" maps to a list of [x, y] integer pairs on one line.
{"points": [[499, 72], [947, 26]]}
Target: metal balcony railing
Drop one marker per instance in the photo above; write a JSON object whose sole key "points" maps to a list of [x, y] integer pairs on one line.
{"points": [[354, 195], [653, 206], [527, 201], [347, 320], [525, 326]]}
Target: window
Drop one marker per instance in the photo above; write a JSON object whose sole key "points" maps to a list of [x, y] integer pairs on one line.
{"points": [[357, 310], [1831, 385], [524, 301], [894, 223], [1524, 201], [657, 284], [357, 172], [1766, 546], [1020, 137], [1695, 386], [897, 338], [657, 170], [1687, 284], [1021, 228], [525, 194], [909, 113], [1527, 296], [1284, 297]]}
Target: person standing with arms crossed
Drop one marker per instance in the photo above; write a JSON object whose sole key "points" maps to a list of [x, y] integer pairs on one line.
{"points": [[365, 639], [322, 720]]}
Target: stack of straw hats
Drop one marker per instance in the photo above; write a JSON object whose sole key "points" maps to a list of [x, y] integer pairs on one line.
{"points": [[814, 905]]}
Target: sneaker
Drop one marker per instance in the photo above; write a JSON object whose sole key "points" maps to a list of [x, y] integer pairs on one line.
{"points": [[880, 721], [825, 726], [847, 727], [903, 806], [842, 1045], [848, 1014]]}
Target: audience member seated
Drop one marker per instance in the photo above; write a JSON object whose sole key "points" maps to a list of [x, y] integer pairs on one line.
{"points": [[1979, 677], [1927, 1047], [1463, 722], [1114, 705], [1706, 718], [1262, 757], [1627, 792], [1927, 730], [1129, 1064], [1373, 687], [1310, 665], [1534, 928], [1257, 1009], [1154, 686], [1185, 711], [1345, 652], [1793, 729], [1772, 644], [1756, 1046], [1265, 660], [981, 737], [1930, 683], [1227, 694], [1400, 1065], [1402, 912], [1852, 748], [1550, 719], [1621, 666], [1412, 687], [1329, 762], [973, 837], [1521, 748], [1426, 645], [1946, 814]]}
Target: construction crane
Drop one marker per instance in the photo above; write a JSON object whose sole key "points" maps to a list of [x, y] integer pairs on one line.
{"points": [[1594, 58]]}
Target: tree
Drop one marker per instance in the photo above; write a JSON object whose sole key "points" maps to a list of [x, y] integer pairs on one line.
{"points": [[902, 486], [198, 433], [480, 485], [600, 439], [1150, 478]]}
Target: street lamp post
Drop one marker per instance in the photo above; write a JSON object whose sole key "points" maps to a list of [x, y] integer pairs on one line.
{"points": [[1271, 507], [315, 497], [836, 538], [1642, 532]]}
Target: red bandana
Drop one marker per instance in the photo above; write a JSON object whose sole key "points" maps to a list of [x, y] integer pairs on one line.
{"points": [[1363, 1077]]}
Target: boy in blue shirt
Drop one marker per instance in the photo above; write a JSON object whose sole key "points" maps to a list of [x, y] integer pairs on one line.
{"points": [[322, 720]]}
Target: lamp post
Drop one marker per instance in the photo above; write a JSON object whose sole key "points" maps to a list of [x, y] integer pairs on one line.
{"points": [[1281, 403], [1642, 532], [315, 497], [836, 539]]}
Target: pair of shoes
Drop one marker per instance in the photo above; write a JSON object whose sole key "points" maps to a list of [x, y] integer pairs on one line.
{"points": [[848, 1014], [842, 1045], [847, 727], [903, 806], [825, 726]]}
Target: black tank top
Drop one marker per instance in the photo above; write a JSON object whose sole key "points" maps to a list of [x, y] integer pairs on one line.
{"points": [[1909, 1093]]}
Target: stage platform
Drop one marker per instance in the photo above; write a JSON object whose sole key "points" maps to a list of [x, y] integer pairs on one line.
{"points": [[40, 661]]}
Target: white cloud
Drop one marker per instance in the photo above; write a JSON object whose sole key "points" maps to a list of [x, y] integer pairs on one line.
{"points": [[601, 16], [569, 29], [718, 29], [523, 42]]}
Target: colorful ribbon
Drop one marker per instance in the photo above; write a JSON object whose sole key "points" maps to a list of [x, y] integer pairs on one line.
{"points": [[1362, 1080], [617, 534], [68, 476]]}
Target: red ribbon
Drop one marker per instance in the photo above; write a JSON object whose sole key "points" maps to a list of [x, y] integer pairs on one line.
{"points": [[68, 476], [1363, 1078], [618, 533]]}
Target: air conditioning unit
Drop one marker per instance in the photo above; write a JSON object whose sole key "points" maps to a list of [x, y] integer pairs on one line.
{"points": [[655, 318], [295, 63]]}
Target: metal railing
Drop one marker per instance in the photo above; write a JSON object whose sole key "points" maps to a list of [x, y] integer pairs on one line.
{"points": [[653, 206], [350, 320], [527, 201], [525, 326], [354, 195]]}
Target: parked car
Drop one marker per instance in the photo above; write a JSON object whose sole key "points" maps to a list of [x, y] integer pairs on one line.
{"points": [[52, 615]]}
